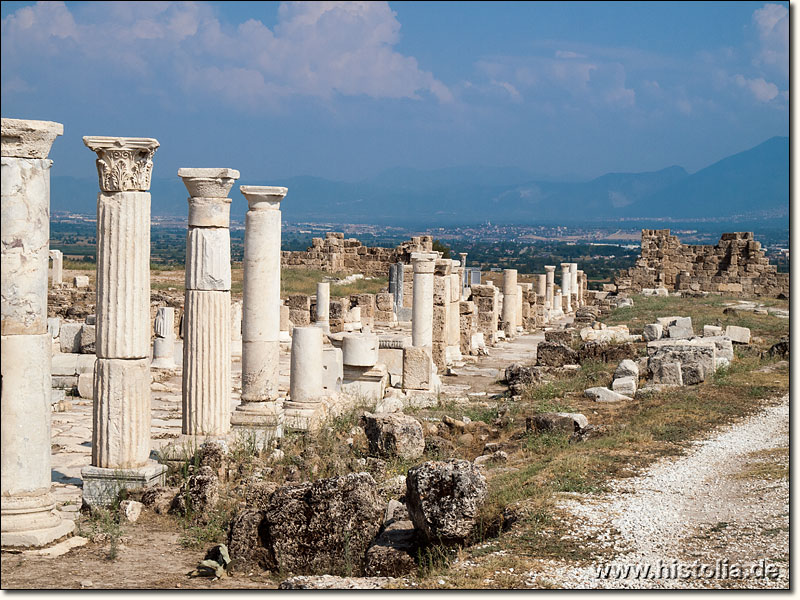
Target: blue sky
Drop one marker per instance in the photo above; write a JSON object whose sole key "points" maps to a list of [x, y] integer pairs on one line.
{"points": [[346, 90]]}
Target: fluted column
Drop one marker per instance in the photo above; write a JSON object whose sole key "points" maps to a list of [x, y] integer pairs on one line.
{"points": [[509, 318], [28, 510], [207, 304], [164, 343], [566, 280], [261, 407], [550, 283], [121, 420]]}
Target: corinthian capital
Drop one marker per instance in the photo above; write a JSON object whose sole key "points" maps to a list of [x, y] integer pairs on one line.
{"points": [[123, 164]]}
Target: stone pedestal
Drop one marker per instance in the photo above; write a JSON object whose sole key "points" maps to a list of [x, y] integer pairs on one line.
{"points": [[121, 419], [509, 318], [305, 408], [262, 407], [566, 282], [164, 342], [207, 307]]}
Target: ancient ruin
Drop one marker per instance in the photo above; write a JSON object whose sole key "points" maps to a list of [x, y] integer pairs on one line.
{"points": [[736, 266]]}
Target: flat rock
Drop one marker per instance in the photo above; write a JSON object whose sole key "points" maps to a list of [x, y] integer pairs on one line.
{"points": [[601, 394]]}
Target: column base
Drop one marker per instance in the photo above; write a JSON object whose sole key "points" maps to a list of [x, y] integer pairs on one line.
{"points": [[367, 383], [262, 419], [101, 487], [32, 521], [305, 416], [165, 362]]}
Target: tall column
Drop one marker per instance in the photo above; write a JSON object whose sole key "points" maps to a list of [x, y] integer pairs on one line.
{"points": [[323, 305], [262, 406], [422, 308], [509, 317], [558, 302], [58, 267], [305, 408], [566, 279], [29, 517], [573, 283], [519, 305], [550, 282], [121, 421], [581, 285], [207, 306]]}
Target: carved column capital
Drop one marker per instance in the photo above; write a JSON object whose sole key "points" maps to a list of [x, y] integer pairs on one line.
{"points": [[123, 164]]}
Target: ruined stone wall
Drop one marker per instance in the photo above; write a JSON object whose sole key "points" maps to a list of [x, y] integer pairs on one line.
{"points": [[334, 253], [736, 265]]}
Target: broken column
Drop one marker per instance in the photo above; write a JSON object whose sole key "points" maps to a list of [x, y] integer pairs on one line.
{"points": [[261, 407], [323, 306], [363, 377], [207, 308], [419, 371], [573, 284], [464, 275], [566, 280], [581, 285], [305, 408], [28, 510], [550, 282], [57, 272], [509, 318], [121, 422], [164, 342]]}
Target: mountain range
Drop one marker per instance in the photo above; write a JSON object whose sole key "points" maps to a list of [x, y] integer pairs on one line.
{"points": [[753, 183]]}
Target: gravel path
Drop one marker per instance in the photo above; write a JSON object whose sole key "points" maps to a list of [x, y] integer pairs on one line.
{"points": [[696, 509]]}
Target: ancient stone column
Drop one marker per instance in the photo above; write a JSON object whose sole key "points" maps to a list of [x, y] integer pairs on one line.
{"points": [[57, 277], [323, 305], [464, 275], [550, 283], [121, 422], [305, 408], [164, 343], [519, 305], [236, 329], [29, 517], [540, 286], [566, 280], [573, 283], [207, 306], [422, 308], [454, 319], [581, 285], [558, 303], [509, 318], [261, 407]]}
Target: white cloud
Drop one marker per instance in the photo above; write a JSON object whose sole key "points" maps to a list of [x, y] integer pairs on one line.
{"points": [[772, 24], [568, 54], [317, 49], [764, 91]]}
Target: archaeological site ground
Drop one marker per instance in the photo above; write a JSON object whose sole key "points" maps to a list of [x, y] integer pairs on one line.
{"points": [[359, 417]]}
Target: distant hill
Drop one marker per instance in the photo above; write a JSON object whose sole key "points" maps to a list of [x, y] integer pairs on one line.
{"points": [[754, 182]]}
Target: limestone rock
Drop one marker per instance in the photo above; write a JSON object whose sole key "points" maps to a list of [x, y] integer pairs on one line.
{"points": [[393, 434], [554, 354], [393, 552], [444, 498], [159, 499], [607, 352], [518, 377], [87, 343], [551, 421], [438, 447], [696, 357], [601, 394], [625, 385], [627, 368], [653, 331], [323, 526], [198, 494], [739, 335], [712, 331], [130, 510]]}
